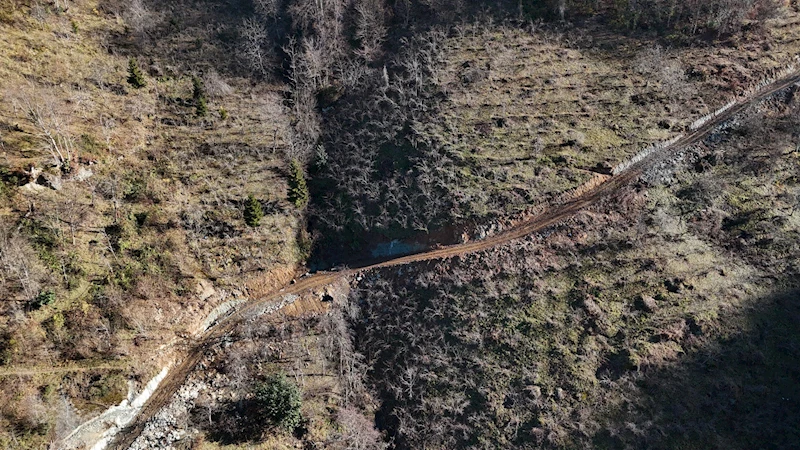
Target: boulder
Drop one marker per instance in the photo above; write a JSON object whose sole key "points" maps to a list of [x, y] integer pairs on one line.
{"points": [[83, 174], [51, 180], [204, 289], [646, 303]]}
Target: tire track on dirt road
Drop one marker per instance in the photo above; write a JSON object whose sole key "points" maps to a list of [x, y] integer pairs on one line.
{"points": [[549, 217]]}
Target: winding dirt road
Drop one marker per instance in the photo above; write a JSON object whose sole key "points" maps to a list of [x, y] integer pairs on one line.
{"points": [[549, 217]]}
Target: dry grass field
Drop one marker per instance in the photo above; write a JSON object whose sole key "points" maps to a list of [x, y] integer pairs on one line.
{"points": [[530, 114]]}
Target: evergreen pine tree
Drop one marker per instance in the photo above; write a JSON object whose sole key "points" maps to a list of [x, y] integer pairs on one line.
{"points": [[135, 75], [252, 212], [279, 402], [199, 95], [198, 90], [298, 189], [201, 107]]}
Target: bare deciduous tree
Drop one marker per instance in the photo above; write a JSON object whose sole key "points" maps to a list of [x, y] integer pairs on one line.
{"points": [[307, 74], [656, 63], [338, 347], [67, 418], [255, 46], [20, 270], [320, 18], [358, 431], [370, 27], [51, 126], [139, 18], [266, 8]]}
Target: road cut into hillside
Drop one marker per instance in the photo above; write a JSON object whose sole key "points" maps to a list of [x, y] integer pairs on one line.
{"points": [[551, 216]]}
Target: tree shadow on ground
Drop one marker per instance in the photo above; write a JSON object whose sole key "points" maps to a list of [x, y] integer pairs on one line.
{"points": [[231, 423], [182, 34], [236, 422], [740, 391]]}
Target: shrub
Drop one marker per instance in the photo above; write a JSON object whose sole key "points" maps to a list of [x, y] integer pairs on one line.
{"points": [[252, 212], [10, 178], [117, 235], [279, 402], [215, 86], [298, 189], [46, 297], [656, 64], [7, 347], [135, 75], [304, 244]]}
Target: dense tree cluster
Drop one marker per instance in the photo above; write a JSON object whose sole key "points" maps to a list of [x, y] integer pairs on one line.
{"points": [[382, 172], [721, 16], [689, 17], [467, 359], [363, 86]]}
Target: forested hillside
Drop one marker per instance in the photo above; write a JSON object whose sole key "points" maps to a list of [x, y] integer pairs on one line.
{"points": [[163, 162], [658, 320]]}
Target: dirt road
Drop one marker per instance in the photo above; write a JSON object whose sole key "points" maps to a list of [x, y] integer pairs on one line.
{"points": [[549, 217]]}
